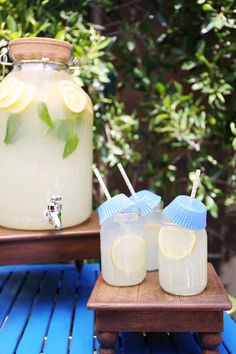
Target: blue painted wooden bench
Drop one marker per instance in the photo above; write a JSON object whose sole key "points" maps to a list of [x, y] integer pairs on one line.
{"points": [[43, 310]]}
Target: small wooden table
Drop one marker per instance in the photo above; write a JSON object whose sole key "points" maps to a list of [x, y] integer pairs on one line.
{"points": [[147, 308], [74, 243]]}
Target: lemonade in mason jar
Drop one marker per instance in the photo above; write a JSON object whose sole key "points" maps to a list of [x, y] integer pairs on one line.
{"points": [[123, 249], [46, 122], [150, 206], [183, 247]]}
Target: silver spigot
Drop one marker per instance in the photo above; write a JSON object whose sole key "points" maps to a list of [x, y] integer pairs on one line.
{"points": [[53, 212]]}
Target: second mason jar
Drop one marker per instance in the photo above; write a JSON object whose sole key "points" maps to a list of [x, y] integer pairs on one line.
{"points": [[150, 206]]}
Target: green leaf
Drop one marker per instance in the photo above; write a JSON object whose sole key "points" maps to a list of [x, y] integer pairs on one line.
{"points": [[234, 144], [11, 23], [44, 115], [188, 65], [103, 44], [64, 128], [71, 144], [233, 127], [12, 129], [160, 87], [130, 46], [207, 7]]}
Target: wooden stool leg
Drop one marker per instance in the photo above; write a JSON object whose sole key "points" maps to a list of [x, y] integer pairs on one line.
{"points": [[210, 342], [107, 341]]}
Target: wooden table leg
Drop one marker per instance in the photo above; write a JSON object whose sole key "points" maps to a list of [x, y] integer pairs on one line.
{"points": [[107, 341], [210, 342]]}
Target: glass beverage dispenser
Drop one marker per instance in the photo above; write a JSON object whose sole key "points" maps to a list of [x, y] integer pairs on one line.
{"points": [[46, 123]]}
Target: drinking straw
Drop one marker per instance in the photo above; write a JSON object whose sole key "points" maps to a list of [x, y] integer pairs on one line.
{"points": [[102, 184], [196, 184], [127, 181]]}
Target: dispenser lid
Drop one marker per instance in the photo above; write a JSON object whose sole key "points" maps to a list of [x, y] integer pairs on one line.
{"points": [[36, 48], [187, 212]]}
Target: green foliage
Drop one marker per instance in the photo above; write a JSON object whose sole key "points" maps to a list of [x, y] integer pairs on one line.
{"points": [[68, 20], [188, 75], [181, 55]]}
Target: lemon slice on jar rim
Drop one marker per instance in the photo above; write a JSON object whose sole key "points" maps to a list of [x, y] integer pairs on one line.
{"points": [[128, 253], [176, 243], [7, 85]]}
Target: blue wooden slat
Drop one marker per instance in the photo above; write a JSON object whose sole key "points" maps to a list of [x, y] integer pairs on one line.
{"points": [[89, 274], [9, 292], [18, 315], [59, 330], [83, 328], [222, 349], [229, 334], [3, 277], [34, 267], [35, 330], [184, 343], [159, 343], [133, 343]]}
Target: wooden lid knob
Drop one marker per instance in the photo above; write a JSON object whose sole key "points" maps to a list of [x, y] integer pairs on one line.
{"points": [[36, 48]]}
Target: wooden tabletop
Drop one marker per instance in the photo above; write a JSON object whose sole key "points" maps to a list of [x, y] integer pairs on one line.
{"points": [[89, 227], [149, 296], [45, 246]]}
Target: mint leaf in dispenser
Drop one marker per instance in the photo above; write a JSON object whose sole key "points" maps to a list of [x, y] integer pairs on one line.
{"points": [[71, 144], [44, 115], [64, 128], [12, 129]]}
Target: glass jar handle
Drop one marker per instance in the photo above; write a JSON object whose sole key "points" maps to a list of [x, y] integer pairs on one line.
{"points": [[4, 63]]}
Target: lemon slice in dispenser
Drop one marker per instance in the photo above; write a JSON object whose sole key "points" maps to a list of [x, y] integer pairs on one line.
{"points": [[128, 253], [13, 95], [74, 96], [7, 85], [175, 243], [23, 102]]}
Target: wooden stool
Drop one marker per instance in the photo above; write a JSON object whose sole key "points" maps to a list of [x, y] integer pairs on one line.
{"points": [[147, 308]]}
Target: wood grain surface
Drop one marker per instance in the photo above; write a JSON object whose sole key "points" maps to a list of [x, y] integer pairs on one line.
{"points": [[149, 296], [46, 246]]}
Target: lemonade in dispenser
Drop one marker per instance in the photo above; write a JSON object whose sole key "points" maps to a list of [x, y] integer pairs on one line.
{"points": [[183, 247], [46, 124]]}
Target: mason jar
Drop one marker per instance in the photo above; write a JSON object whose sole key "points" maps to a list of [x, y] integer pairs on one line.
{"points": [[183, 247], [151, 227], [123, 249]]}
